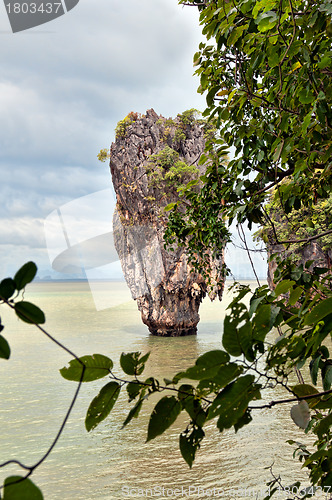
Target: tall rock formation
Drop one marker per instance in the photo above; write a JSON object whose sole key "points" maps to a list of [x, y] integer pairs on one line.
{"points": [[150, 158]]}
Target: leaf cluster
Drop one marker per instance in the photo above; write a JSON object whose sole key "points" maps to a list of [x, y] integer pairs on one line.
{"points": [[10, 289]]}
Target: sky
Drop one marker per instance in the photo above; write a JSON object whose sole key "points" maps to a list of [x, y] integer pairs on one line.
{"points": [[64, 86]]}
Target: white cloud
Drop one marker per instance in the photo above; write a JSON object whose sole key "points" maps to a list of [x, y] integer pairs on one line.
{"points": [[25, 231], [63, 88]]}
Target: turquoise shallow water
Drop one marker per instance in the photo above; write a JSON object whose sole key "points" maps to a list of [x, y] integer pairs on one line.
{"points": [[111, 463]]}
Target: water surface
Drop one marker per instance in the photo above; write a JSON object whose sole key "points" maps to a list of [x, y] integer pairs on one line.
{"points": [[111, 463]]}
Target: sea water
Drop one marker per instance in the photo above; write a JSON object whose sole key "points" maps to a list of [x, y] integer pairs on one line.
{"points": [[110, 462]]}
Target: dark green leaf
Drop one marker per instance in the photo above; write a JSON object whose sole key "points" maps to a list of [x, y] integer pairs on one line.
{"points": [[96, 366], [295, 295], [322, 309], [240, 294], [225, 375], [23, 490], [244, 420], [302, 390], [315, 456], [134, 412], [232, 403], [254, 303], [7, 288], [29, 313], [4, 348], [194, 409], [133, 390], [314, 369], [324, 403], [190, 443], [283, 287], [235, 340], [25, 275], [206, 366], [132, 364], [102, 405], [163, 416], [324, 426], [327, 377], [262, 321]]}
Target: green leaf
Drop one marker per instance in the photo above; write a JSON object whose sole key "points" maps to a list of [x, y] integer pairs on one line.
{"points": [[7, 288], [324, 426], [327, 377], [262, 4], [264, 320], [134, 412], [278, 151], [295, 295], [169, 207], [197, 59], [24, 490], [102, 405], [189, 443], [235, 340], [133, 390], [225, 375], [241, 293], [322, 309], [194, 409], [283, 287], [266, 21], [254, 303], [163, 416], [302, 390], [232, 403], [206, 366], [305, 97], [304, 128], [315, 456], [4, 348], [244, 420], [96, 366], [132, 364], [324, 403], [29, 313], [273, 58], [314, 364], [25, 275]]}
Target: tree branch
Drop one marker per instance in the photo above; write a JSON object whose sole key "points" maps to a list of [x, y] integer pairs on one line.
{"points": [[291, 400]]}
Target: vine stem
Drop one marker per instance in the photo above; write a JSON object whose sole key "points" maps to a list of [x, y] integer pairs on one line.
{"points": [[32, 468]]}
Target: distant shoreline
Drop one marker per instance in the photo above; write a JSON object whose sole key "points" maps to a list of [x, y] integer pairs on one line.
{"points": [[119, 280]]}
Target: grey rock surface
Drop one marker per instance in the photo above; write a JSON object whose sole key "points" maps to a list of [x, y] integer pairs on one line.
{"points": [[167, 289]]}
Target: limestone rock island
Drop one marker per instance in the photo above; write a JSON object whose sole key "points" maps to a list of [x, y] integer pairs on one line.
{"points": [[150, 158]]}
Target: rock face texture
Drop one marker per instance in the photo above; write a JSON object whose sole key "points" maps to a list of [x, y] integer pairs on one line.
{"points": [[311, 251], [150, 158]]}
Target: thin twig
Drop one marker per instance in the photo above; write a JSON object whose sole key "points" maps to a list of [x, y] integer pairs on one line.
{"points": [[291, 400], [32, 468], [243, 239]]}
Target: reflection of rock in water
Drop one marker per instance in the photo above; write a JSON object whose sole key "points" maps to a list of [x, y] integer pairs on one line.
{"points": [[167, 291]]}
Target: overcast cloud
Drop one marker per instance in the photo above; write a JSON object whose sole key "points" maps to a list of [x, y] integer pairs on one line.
{"points": [[63, 87]]}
